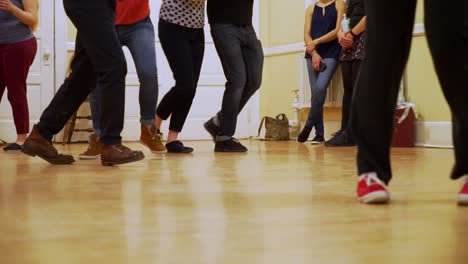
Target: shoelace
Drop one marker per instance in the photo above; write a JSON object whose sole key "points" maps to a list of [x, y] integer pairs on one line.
{"points": [[372, 179]]}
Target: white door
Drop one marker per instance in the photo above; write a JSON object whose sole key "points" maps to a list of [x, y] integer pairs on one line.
{"points": [[41, 75], [209, 92]]}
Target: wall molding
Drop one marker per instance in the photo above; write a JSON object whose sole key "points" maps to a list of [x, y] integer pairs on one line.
{"points": [[433, 134], [418, 30]]}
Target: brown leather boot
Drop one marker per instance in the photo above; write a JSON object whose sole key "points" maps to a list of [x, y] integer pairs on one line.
{"points": [[119, 154], [150, 138], [94, 149], [37, 145]]}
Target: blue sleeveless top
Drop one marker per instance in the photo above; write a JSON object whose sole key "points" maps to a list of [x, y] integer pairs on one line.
{"points": [[11, 29], [323, 24]]}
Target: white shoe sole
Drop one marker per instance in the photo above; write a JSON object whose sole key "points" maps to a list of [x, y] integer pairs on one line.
{"points": [[375, 198], [158, 152], [462, 199], [83, 157]]}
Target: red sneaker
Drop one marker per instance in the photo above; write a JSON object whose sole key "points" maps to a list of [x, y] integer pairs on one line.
{"points": [[371, 189], [462, 198]]}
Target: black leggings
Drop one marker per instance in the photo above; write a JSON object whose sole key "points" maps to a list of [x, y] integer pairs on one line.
{"points": [[350, 71], [184, 49], [388, 45]]}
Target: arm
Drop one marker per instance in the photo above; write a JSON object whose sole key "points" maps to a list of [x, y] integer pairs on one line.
{"points": [[360, 27], [308, 41], [28, 16]]}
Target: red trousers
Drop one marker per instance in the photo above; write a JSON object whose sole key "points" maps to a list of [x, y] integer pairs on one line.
{"points": [[15, 60]]}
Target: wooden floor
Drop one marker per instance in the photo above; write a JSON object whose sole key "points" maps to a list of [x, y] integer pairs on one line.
{"points": [[280, 203]]}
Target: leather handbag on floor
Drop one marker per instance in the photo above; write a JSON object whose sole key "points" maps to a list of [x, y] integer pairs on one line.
{"points": [[276, 129]]}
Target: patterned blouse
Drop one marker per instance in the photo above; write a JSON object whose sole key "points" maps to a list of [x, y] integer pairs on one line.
{"points": [[184, 13]]}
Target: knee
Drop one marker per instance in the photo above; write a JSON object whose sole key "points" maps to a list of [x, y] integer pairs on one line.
{"points": [[149, 77], [17, 97], [236, 84], [255, 83], [119, 66]]}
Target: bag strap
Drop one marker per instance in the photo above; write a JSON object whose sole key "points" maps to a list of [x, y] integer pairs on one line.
{"points": [[261, 126], [259, 130], [281, 117]]}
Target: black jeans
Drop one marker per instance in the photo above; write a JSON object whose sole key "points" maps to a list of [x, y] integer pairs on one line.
{"points": [[387, 53], [97, 54], [184, 49], [350, 72], [241, 55]]}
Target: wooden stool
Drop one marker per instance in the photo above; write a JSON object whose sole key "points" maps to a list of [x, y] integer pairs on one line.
{"points": [[69, 128]]}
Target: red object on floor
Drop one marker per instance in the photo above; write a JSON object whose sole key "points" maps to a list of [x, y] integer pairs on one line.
{"points": [[403, 136]]}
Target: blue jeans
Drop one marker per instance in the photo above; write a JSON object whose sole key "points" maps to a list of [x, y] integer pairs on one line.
{"points": [[319, 82], [139, 39], [241, 55]]}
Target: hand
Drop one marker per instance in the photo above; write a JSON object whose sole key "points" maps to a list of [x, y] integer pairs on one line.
{"points": [[316, 61], [6, 5], [346, 40], [310, 47]]}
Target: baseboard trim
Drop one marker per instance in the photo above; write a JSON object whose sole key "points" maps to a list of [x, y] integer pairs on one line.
{"points": [[434, 134]]}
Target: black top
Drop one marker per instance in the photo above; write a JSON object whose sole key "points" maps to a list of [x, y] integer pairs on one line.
{"points": [[356, 11], [237, 12], [324, 21]]}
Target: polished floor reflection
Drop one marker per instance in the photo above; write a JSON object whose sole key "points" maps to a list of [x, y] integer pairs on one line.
{"points": [[280, 203]]}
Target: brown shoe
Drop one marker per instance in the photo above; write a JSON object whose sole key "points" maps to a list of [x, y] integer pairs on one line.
{"points": [[119, 154], [150, 138], [37, 145], [94, 149]]}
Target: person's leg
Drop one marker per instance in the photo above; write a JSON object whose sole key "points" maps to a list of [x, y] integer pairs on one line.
{"points": [[449, 48], [177, 46], [98, 53], [350, 70], [228, 40], [377, 88], [252, 52], [139, 38], [448, 44], [94, 149], [3, 52], [18, 59], [309, 125], [319, 86], [344, 138]]}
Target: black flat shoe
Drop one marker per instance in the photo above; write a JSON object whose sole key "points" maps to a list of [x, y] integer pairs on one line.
{"points": [[12, 147], [178, 147]]}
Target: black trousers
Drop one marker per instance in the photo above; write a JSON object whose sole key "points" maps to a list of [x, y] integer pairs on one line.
{"points": [[387, 53], [350, 72], [184, 49], [98, 54]]}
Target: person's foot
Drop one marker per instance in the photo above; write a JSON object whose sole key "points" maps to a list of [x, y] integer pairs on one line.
{"points": [[317, 140], [178, 147], [12, 147], [304, 135], [462, 198], [372, 190], [212, 129], [94, 149], [342, 139], [37, 145], [150, 138], [119, 154], [230, 145]]}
